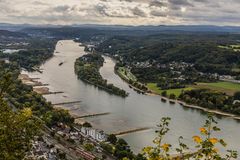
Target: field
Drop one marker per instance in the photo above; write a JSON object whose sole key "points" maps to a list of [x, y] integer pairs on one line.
{"points": [[236, 47], [177, 92], [226, 87], [126, 74], [236, 69]]}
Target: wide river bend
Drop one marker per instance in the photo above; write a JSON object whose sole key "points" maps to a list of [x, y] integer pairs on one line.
{"points": [[135, 111]]}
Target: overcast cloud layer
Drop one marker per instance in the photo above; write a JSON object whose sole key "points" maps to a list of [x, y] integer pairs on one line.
{"points": [[124, 12]]}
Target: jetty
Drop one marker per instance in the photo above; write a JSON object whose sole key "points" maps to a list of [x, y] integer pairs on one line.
{"points": [[49, 93], [92, 115], [65, 103], [131, 131], [37, 84], [35, 78]]}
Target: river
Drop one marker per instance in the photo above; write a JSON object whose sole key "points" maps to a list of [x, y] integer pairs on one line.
{"points": [[135, 111]]}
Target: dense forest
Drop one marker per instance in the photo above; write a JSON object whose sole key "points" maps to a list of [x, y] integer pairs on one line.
{"points": [[87, 68]]}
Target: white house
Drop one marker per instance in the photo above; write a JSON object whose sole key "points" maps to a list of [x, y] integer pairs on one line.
{"points": [[96, 134]]}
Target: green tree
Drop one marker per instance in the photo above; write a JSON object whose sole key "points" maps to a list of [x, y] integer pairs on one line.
{"points": [[206, 144], [237, 96], [17, 129], [122, 150], [89, 146], [112, 139], [87, 124], [164, 93], [107, 147], [172, 96]]}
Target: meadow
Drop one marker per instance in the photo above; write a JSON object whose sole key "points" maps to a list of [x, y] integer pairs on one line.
{"points": [[157, 90]]}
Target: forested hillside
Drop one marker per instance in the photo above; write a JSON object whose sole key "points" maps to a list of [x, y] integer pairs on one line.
{"points": [[205, 51], [36, 52]]}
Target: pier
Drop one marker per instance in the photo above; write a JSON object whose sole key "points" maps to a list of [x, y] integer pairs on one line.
{"points": [[65, 103], [92, 115], [131, 131]]}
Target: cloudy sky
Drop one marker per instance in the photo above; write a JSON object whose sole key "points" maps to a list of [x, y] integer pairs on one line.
{"points": [[124, 12]]}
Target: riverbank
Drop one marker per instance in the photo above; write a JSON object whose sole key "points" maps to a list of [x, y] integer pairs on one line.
{"points": [[172, 101], [138, 90], [27, 80], [184, 104], [38, 87]]}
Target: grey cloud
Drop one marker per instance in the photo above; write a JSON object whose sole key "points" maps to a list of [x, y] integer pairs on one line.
{"points": [[180, 2], [121, 11], [62, 8], [158, 14], [38, 3], [101, 9], [157, 3], [138, 12], [201, 1]]}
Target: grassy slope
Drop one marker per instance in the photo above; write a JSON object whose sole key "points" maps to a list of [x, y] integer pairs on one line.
{"points": [[127, 74], [236, 47]]}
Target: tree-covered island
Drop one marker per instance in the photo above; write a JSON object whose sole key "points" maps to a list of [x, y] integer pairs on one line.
{"points": [[87, 68]]}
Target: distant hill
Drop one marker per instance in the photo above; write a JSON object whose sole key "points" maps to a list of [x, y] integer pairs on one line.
{"points": [[18, 27], [101, 32], [12, 27], [186, 28], [5, 33], [205, 50]]}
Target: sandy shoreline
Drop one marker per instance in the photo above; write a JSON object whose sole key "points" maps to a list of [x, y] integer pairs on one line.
{"points": [[29, 81], [26, 79]]}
